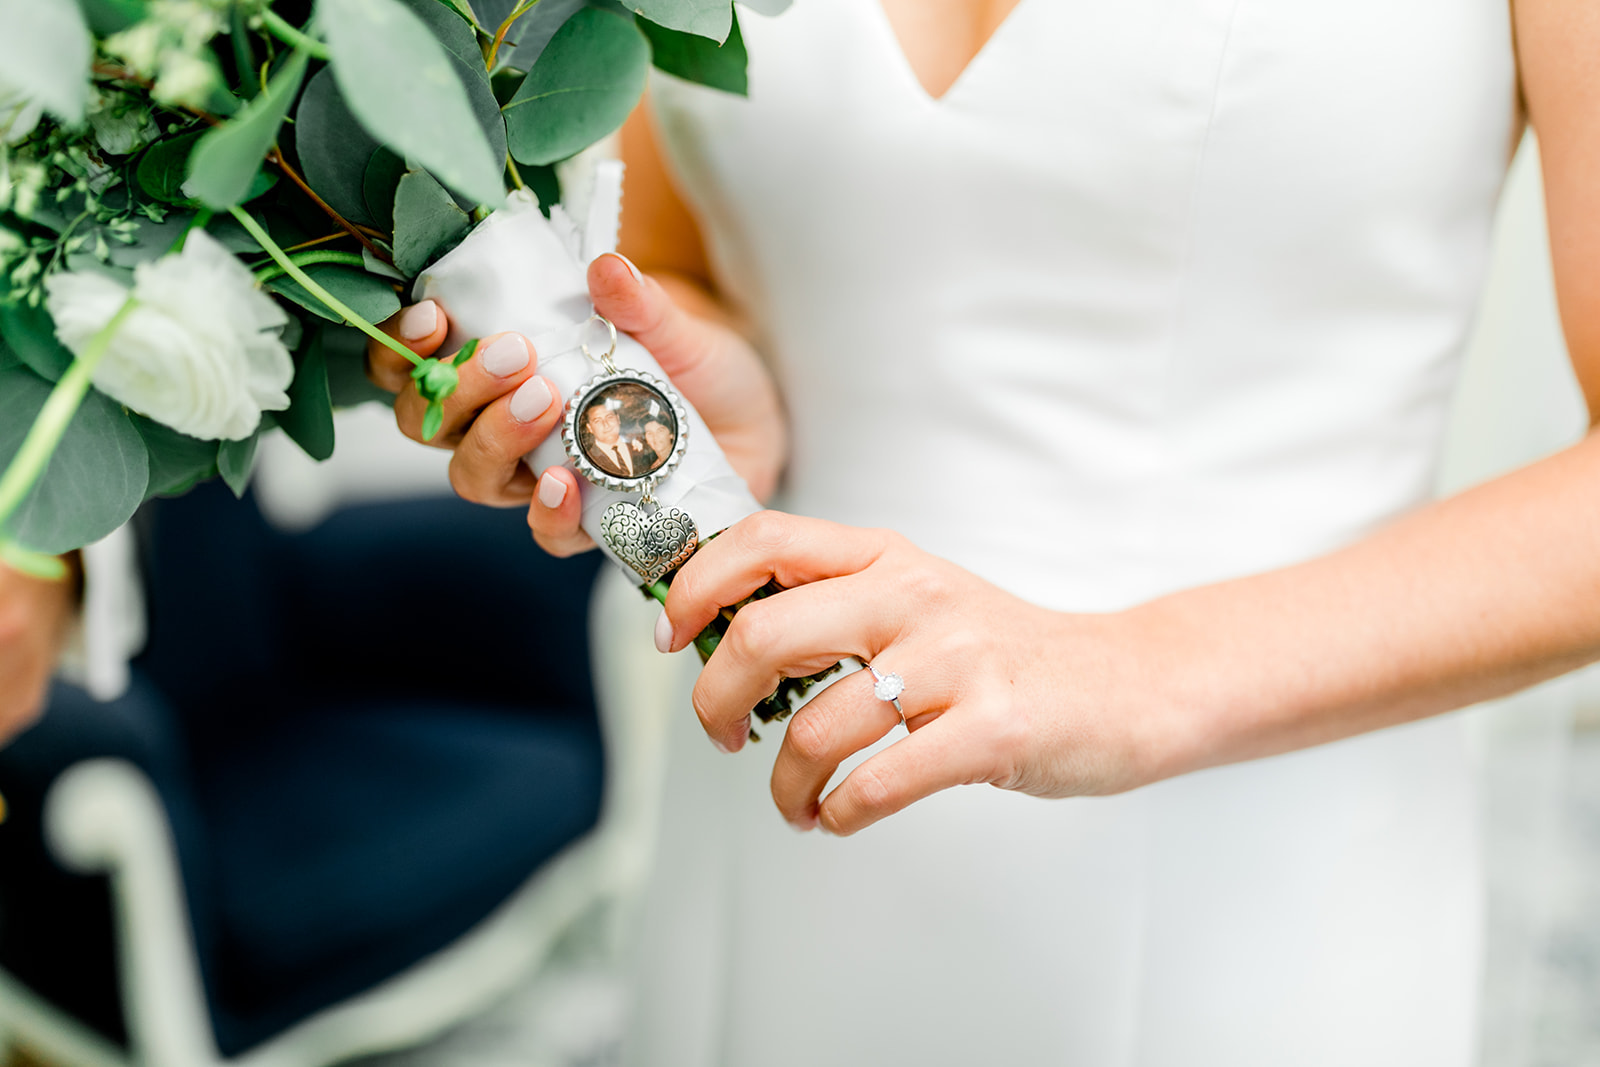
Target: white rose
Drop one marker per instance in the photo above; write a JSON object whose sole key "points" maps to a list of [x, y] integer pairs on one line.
{"points": [[201, 350], [18, 114]]}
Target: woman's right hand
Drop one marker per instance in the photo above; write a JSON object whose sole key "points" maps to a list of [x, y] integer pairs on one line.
{"points": [[503, 409], [34, 614]]}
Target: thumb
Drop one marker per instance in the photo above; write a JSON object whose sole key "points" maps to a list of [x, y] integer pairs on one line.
{"points": [[639, 305]]}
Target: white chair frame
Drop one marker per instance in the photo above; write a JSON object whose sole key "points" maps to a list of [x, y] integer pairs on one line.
{"points": [[103, 816]]}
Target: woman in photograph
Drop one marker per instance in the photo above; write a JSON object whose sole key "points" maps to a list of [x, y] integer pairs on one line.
{"points": [[1104, 356]]}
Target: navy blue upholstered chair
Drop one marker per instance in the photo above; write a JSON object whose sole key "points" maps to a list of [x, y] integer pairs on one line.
{"points": [[335, 810]]}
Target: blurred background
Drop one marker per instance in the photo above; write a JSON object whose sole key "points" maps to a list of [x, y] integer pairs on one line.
{"points": [[1539, 752]]}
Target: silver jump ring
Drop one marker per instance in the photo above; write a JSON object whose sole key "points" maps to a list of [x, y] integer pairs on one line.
{"points": [[605, 360], [888, 688]]}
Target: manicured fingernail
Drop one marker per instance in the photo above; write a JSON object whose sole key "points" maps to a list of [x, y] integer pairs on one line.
{"points": [[720, 747], [530, 400], [419, 320], [663, 633], [629, 264], [805, 824], [505, 357], [552, 491]]}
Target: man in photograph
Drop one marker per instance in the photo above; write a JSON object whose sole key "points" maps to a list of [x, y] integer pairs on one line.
{"points": [[607, 449]]}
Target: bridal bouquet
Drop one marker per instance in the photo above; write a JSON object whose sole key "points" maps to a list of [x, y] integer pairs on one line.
{"points": [[205, 203]]}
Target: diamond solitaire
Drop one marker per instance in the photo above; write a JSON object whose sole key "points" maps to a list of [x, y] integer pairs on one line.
{"points": [[889, 687]]}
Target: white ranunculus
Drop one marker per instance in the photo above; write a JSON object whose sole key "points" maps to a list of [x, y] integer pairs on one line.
{"points": [[200, 352], [18, 114]]}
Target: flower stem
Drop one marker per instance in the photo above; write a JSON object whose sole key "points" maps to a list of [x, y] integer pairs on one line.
{"points": [[45, 434], [505, 27], [256, 230], [276, 25], [276, 157], [307, 259]]}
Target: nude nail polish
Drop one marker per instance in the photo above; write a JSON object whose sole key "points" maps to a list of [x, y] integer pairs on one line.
{"points": [[663, 633], [505, 356], [530, 400], [552, 491], [419, 320], [638, 277]]}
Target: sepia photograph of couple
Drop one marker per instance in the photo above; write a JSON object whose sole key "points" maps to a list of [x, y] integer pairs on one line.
{"points": [[683, 533]]}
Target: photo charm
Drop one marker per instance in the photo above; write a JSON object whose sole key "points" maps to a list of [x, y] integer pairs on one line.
{"points": [[626, 430]]}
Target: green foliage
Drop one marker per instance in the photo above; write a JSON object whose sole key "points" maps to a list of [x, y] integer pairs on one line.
{"points": [[379, 184], [334, 150], [178, 462], [108, 16], [95, 479], [164, 167], [427, 222], [344, 352], [700, 59], [586, 81], [403, 87], [44, 52], [704, 18], [235, 459], [309, 418], [226, 162], [366, 295], [30, 334]]}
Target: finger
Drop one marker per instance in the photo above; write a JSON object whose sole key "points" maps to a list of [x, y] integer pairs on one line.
{"points": [[487, 465], [421, 328], [554, 514], [500, 363], [936, 756], [768, 546], [638, 305], [795, 633], [844, 719]]}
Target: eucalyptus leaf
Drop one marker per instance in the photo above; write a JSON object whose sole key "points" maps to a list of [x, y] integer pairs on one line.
{"points": [[767, 7], [8, 358], [236, 459], [378, 185], [226, 163], [178, 462], [108, 16], [333, 147], [533, 31], [344, 352], [426, 222], [462, 43], [371, 298], [30, 333], [94, 481], [402, 85], [449, 29], [44, 52], [309, 418], [700, 59], [586, 82], [164, 167], [462, 8], [705, 18]]}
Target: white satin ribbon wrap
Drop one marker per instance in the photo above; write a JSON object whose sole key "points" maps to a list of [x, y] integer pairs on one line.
{"points": [[518, 271]]}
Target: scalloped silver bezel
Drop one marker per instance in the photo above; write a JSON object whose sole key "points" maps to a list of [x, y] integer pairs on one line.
{"points": [[580, 462]]}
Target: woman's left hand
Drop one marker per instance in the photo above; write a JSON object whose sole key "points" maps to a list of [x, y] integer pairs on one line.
{"points": [[996, 690]]}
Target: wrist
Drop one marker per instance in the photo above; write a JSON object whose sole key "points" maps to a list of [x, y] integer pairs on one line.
{"points": [[1164, 689]]}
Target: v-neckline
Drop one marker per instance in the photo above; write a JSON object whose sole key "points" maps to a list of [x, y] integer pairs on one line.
{"points": [[892, 38]]}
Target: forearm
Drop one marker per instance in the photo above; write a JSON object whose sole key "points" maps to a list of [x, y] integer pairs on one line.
{"points": [[1470, 598]]}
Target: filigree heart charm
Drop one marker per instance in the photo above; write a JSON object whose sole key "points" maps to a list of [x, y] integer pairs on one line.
{"points": [[652, 544]]}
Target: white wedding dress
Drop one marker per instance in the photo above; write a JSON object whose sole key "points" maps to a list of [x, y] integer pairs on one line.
{"points": [[1161, 292]]}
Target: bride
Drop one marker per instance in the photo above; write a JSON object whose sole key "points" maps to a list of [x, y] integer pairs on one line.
{"points": [[1114, 343]]}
